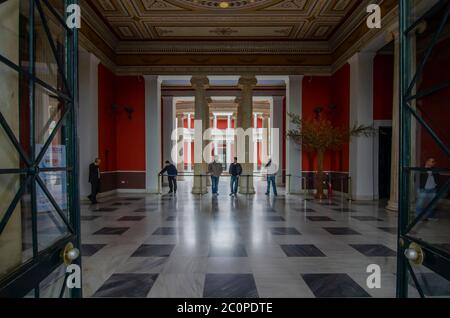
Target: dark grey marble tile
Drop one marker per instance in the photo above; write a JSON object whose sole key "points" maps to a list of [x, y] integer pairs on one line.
{"points": [[274, 219], [374, 250], [91, 249], [89, 217], [327, 204], [302, 251], [284, 231], [131, 218], [132, 199], [230, 286], [366, 218], [346, 210], [105, 210], [237, 250], [127, 286], [392, 230], [303, 210], [149, 250], [166, 231], [320, 219], [333, 285], [112, 231], [341, 231], [144, 210]]}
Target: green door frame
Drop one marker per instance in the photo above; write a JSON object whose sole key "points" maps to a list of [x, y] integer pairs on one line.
{"points": [[436, 259], [26, 278]]}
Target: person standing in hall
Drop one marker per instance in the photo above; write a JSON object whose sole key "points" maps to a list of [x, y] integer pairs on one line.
{"points": [[172, 173], [271, 171], [235, 172], [215, 169], [429, 183], [94, 180]]}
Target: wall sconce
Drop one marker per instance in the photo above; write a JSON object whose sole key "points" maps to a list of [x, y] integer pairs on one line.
{"points": [[318, 111], [128, 109]]}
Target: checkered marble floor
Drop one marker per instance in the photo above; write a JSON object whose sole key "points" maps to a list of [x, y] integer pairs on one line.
{"points": [[249, 246]]}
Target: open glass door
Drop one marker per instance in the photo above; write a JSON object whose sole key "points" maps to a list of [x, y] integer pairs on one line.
{"points": [[39, 203], [424, 221]]}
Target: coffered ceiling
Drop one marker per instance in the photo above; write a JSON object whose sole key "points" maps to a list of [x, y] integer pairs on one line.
{"points": [[227, 36], [223, 19]]}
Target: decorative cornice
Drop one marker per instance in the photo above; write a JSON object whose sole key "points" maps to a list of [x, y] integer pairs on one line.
{"points": [[223, 47], [223, 70]]}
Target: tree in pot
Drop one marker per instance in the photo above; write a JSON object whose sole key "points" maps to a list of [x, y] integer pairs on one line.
{"points": [[318, 135]]}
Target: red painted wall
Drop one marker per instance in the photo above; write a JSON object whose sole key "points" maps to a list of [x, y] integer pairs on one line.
{"points": [[121, 140], [435, 108], [383, 79], [106, 119], [316, 93], [130, 134], [340, 96], [323, 91]]}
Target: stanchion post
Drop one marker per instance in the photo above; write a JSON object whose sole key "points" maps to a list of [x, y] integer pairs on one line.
{"points": [[201, 185], [350, 189], [159, 184], [288, 184]]}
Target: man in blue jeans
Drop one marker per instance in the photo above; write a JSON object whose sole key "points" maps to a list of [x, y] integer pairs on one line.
{"points": [[235, 172], [215, 169], [271, 171]]}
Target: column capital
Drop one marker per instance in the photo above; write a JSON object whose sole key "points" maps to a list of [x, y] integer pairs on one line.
{"points": [[247, 81], [200, 82]]}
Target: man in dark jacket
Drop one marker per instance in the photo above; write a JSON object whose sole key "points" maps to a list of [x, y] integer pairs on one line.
{"points": [[235, 172], [428, 186], [94, 180], [172, 173]]}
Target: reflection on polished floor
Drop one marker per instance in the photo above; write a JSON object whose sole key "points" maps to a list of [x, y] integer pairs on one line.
{"points": [[191, 246]]}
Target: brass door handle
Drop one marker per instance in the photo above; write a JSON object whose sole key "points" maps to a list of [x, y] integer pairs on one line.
{"points": [[70, 254], [415, 254]]}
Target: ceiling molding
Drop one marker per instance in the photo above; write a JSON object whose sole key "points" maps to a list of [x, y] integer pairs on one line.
{"points": [[225, 56], [222, 70], [221, 47]]}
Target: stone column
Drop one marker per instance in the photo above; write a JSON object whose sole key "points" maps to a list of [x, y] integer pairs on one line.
{"points": [[88, 116], [244, 121], [200, 83], [11, 237], [265, 152], [361, 113], [228, 132], [276, 135], [393, 199], [168, 127], [189, 144], [152, 132], [180, 149], [293, 151]]}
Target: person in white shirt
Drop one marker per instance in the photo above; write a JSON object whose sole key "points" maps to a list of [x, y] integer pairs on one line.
{"points": [[271, 170], [428, 185]]}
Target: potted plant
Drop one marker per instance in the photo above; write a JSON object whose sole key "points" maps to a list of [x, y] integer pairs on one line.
{"points": [[319, 134]]}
